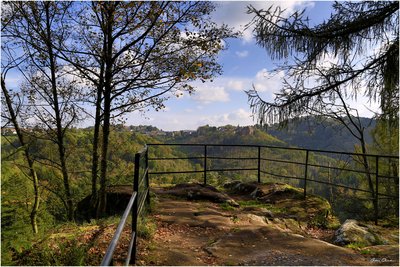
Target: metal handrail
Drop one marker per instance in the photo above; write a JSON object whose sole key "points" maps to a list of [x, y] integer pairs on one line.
{"points": [[207, 157], [280, 147], [138, 199], [135, 206], [114, 241]]}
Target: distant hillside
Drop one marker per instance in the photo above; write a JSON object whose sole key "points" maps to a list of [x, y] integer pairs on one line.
{"points": [[315, 134], [226, 135], [310, 132]]}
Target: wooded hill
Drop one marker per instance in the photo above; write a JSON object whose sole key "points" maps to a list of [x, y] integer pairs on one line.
{"points": [[308, 132], [320, 133], [17, 188], [346, 203]]}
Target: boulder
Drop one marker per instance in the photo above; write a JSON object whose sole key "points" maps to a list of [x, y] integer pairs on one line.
{"points": [[195, 191], [117, 199], [352, 232], [288, 202], [267, 192], [259, 211], [241, 188]]}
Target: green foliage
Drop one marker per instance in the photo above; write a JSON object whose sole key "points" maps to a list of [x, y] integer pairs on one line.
{"points": [[315, 133], [235, 219], [146, 228], [226, 206], [369, 251], [66, 254], [259, 204], [319, 221], [347, 34], [357, 245], [251, 203], [17, 188]]}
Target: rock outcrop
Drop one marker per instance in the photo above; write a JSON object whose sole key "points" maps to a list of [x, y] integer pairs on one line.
{"points": [[117, 198], [351, 231], [288, 202], [195, 191]]}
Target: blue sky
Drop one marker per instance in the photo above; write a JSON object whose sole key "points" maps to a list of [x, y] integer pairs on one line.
{"points": [[244, 63], [224, 101]]}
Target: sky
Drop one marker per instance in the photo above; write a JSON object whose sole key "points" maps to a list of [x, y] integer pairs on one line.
{"points": [[245, 64]]}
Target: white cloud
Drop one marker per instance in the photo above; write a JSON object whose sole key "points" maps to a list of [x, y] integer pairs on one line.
{"points": [[13, 80], [220, 89], [241, 116], [361, 106], [173, 121], [263, 81], [267, 81], [237, 85], [242, 54], [237, 117], [234, 13], [207, 94]]}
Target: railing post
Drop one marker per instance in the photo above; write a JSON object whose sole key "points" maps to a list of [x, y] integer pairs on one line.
{"points": [[259, 165], [376, 189], [135, 207], [147, 177], [305, 175], [205, 164]]}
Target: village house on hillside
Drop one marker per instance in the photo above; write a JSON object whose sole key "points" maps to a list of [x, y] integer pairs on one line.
{"points": [[247, 130]]}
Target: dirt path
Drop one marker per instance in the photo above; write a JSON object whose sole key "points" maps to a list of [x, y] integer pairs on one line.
{"points": [[203, 233]]}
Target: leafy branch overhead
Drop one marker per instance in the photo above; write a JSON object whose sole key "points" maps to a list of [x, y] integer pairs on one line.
{"points": [[355, 51], [103, 60]]}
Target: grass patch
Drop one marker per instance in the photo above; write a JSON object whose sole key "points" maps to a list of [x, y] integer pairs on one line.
{"points": [[369, 251], [235, 219], [230, 263], [211, 241], [70, 253], [259, 204], [151, 246], [146, 228], [333, 224], [235, 229], [252, 203], [356, 245], [225, 206]]}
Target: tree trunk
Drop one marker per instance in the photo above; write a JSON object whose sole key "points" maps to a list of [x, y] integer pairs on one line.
{"points": [[368, 171], [28, 158], [108, 44], [104, 152], [57, 113], [35, 207], [96, 138]]}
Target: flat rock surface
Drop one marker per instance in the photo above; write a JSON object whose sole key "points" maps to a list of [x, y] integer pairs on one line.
{"points": [[195, 191], [203, 233]]}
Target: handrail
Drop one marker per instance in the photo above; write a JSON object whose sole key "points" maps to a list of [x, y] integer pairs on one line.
{"points": [[206, 156], [134, 207], [140, 197], [114, 241], [279, 147]]}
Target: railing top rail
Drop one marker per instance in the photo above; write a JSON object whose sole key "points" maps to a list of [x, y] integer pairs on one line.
{"points": [[280, 147], [113, 244]]}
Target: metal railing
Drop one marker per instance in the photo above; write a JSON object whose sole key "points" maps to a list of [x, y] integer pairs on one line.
{"points": [[140, 196], [205, 159], [141, 193]]}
